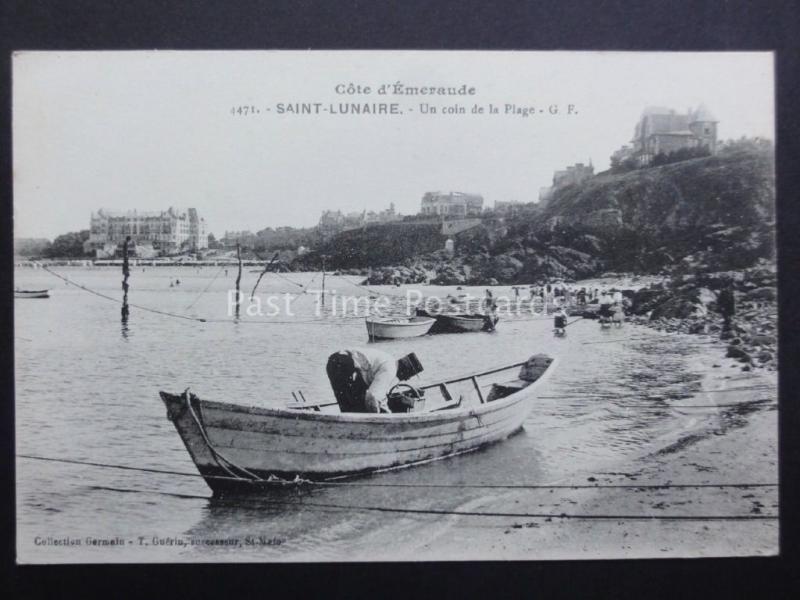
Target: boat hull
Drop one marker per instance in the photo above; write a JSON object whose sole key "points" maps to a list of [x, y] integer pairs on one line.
{"points": [[463, 323], [459, 323], [32, 294], [318, 446], [399, 328]]}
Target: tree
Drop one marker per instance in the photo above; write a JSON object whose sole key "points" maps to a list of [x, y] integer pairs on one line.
{"points": [[624, 165], [68, 245], [31, 246]]}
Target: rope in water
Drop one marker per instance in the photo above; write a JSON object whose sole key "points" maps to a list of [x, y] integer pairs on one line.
{"points": [[231, 320], [118, 301], [406, 485], [752, 388], [206, 288], [186, 317], [369, 290], [463, 513], [300, 285]]}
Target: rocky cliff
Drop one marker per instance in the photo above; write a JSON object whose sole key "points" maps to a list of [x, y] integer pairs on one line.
{"points": [[708, 214], [716, 211]]}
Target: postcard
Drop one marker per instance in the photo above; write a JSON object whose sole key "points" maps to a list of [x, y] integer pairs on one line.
{"points": [[335, 306]]}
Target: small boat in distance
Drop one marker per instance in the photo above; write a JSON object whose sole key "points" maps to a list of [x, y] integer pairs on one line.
{"points": [[31, 293], [240, 448], [459, 322], [392, 328]]}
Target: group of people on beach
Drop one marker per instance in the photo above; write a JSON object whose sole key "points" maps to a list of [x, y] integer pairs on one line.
{"points": [[611, 302], [363, 379]]}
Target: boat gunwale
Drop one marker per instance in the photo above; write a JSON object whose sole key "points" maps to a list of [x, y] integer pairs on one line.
{"points": [[401, 321], [462, 316], [453, 414]]}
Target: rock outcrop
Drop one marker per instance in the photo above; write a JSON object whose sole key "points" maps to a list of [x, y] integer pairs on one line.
{"points": [[688, 305]]}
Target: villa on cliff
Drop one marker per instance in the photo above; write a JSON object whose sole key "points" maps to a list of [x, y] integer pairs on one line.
{"points": [[663, 130], [576, 173]]}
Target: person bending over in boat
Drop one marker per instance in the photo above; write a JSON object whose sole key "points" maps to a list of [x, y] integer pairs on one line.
{"points": [[361, 378]]}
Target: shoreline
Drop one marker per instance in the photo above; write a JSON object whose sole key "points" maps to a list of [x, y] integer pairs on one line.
{"points": [[725, 445]]}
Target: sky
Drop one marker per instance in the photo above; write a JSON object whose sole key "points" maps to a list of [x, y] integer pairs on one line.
{"points": [[150, 130]]}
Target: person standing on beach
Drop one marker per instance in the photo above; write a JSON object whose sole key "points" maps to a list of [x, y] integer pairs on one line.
{"points": [[489, 304], [560, 322], [618, 317], [726, 302]]}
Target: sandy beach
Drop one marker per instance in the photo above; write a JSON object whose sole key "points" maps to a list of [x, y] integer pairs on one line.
{"points": [[735, 445]]}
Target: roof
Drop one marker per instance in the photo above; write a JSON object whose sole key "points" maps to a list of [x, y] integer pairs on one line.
{"points": [[656, 110], [703, 114], [684, 132], [134, 213]]}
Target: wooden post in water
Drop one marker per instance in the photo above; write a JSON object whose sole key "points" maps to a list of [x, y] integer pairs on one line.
{"points": [[125, 274], [238, 278], [323, 281]]}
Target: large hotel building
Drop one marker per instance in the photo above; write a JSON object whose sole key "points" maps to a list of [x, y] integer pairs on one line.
{"points": [[154, 233]]}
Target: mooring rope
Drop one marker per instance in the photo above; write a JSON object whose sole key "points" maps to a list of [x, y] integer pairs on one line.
{"points": [[300, 285], [459, 513], [407, 485], [206, 288], [165, 313], [118, 301], [188, 317], [222, 461], [369, 290]]}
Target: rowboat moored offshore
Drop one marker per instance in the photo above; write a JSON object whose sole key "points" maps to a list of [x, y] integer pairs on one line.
{"points": [[459, 322], [391, 328], [31, 293], [244, 448]]}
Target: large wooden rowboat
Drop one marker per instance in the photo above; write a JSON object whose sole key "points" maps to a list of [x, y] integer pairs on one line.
{"points": [[31, 293], [246, 448], [392, 328]]}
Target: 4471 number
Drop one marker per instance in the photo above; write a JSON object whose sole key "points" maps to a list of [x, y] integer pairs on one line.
{"points": [[244, 110]]}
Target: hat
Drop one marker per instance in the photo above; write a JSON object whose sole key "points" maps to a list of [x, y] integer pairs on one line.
{"points": [[408, 366]]}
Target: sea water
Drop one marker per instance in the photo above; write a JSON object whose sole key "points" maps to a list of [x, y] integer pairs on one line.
{"points": [[87, 386]]}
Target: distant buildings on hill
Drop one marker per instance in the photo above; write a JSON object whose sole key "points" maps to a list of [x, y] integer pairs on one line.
{"points": [[576, 173], [451, 204], [507, 208], [663, 130], [332, 222], [154, 233], [246, 239]]}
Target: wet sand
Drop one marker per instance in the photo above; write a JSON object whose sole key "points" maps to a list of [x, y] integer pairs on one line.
{"points": [[738, 446]]}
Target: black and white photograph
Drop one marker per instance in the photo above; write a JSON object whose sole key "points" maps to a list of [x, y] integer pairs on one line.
{"points": [[353, 306]]}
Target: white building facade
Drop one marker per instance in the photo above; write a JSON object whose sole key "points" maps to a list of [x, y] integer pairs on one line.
{"points": [[153, 233], [451, 204]]}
